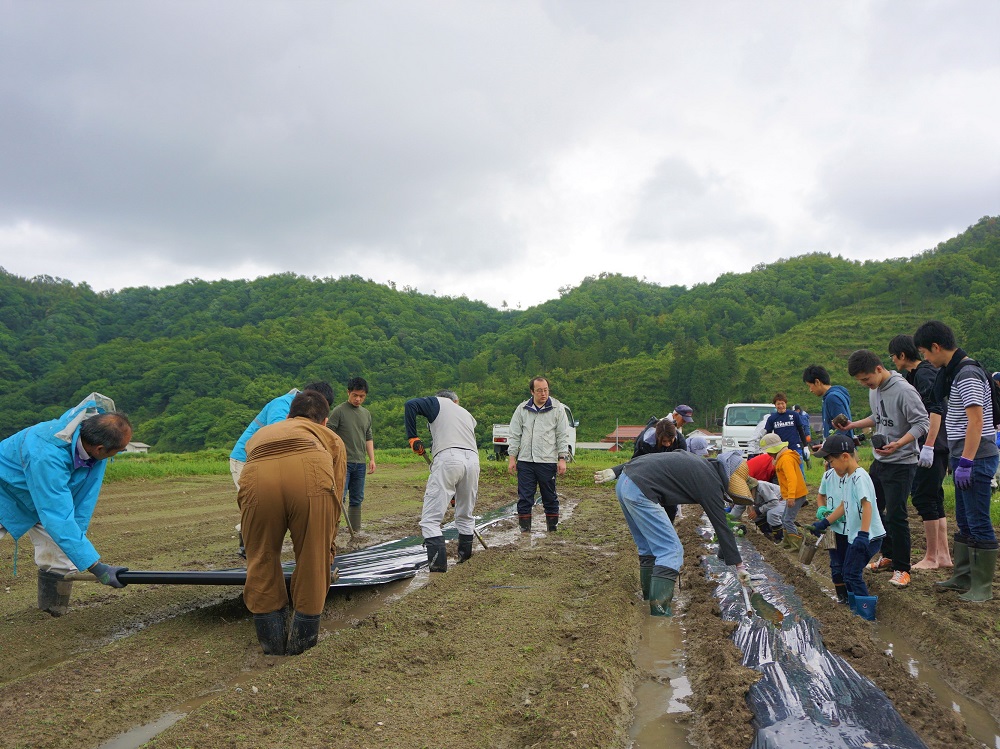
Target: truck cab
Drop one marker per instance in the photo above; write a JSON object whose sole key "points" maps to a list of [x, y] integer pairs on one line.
{"points": [[501, 436], [739, 420]]}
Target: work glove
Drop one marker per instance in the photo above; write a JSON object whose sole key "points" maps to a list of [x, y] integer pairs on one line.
{"points": [[608, 474], [106, 574], [819, 527], [822, 511], [417, 446], [743, 576], [806, 452], [963, 474], [860, 543], [809, 438], [926, 459]]}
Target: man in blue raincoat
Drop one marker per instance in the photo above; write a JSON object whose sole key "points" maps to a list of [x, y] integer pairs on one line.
{"points": [[50, 476]]}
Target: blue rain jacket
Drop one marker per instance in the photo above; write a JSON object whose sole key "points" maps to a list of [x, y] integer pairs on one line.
{"points": [[38, 484], [275, 411]]}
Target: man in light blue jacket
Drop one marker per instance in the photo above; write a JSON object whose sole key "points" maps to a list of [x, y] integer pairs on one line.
{"points": [[50, 477]]}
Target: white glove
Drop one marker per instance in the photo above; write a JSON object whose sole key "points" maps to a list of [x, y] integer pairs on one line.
{"points": [[608, 474], [806, 453], [926, 459], [743, 576]]}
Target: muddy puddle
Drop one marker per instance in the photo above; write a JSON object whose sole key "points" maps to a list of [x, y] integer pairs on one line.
{"points": [[660, 716]]}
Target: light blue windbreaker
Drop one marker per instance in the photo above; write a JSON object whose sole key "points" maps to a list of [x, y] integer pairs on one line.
{"points": [[38, 484], [275, 411]]}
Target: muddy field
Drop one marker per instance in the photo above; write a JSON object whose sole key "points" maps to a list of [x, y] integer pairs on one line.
{"points": [[530, 644]]}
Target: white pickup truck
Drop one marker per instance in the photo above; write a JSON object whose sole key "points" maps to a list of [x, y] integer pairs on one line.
{"points": [[501, 436]]}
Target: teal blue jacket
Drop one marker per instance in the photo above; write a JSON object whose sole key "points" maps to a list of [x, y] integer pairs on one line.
{"points": [[275, 411], [38, 484]]}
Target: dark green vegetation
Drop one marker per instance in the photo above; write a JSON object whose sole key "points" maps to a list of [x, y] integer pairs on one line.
{"points": [[193, 363]]}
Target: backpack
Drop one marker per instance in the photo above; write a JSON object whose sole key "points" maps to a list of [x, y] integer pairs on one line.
{"points": [[994, 390]]}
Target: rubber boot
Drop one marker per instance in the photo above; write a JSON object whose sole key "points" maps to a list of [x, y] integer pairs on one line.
{"points": [[794, 542], [243, 547], [525, 522], [961, 577], [646, 562], [852, 602], [272, 631], [777, 534], [865, 607], [661, 591], [304, 633], [551, 523], [464, 547], [354, 518], [983, 563], [763, 527], [53, 592], [929, 562], [841, 589], [437, 555]]}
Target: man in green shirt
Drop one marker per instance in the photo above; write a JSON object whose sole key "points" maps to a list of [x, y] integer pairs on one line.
{"points": [[353, 424]]}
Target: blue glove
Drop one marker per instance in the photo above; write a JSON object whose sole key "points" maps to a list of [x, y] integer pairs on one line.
{"points": [[860, 543], [106, 574], [926, 459], [819, 527], [963, 474]]}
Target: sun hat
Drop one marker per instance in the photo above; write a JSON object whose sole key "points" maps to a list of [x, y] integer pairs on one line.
{"points": [[697, 444], [772, 444], [737, 473]]}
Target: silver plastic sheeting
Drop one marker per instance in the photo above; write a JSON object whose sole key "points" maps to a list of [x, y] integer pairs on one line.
{"points": [[808, 696], [373, 565]]}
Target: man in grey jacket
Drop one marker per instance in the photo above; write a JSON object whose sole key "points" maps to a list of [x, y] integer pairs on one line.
{"points": [[900, 420], [537, 452]]}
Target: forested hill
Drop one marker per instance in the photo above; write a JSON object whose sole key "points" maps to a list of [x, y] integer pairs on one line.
{"points": [[193, 363]]}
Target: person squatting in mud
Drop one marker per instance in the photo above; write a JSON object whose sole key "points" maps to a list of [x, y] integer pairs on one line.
{"points": [[50, 478], [788, 470], [292, 481], [454, 472], [646, 485], [862, 522]]}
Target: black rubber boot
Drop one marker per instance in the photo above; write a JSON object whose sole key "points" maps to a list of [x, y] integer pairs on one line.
{"points": [[551, 523], [437, 554], [525, 522], [272, 631], [841, 592], [661, 591], [243, 547], [53, 592], [304, 633], [646, 562], [354, 518], [764, 527], [464, 547], [777, 533]]}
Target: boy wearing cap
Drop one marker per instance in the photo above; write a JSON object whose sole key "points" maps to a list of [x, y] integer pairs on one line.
{"points": [[788, 469], [862, 523], [829, 498], [646, 485]]}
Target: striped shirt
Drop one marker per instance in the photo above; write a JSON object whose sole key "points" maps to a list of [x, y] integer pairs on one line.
{"points": [[970, 388]]}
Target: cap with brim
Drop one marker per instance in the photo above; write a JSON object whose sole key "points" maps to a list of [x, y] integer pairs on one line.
{"points": [[698, 445], [772, 444], [836, 444], [685, 412]]}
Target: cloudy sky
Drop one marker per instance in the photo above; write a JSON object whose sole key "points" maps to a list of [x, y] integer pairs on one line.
{"points": [[500, 150]]}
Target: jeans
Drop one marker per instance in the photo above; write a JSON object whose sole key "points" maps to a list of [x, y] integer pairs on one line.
{"points": [[972, 505], [542, 476], [354, 483], [651, 529], [837, 557], [927, 493], [790, 513], [854, 565], [892, 489]]}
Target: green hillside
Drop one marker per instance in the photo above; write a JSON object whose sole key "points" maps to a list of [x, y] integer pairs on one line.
{"points": [[193, 363]]}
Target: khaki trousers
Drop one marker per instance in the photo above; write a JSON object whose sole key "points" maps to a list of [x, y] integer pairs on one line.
{"points": [[295, 492]]}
